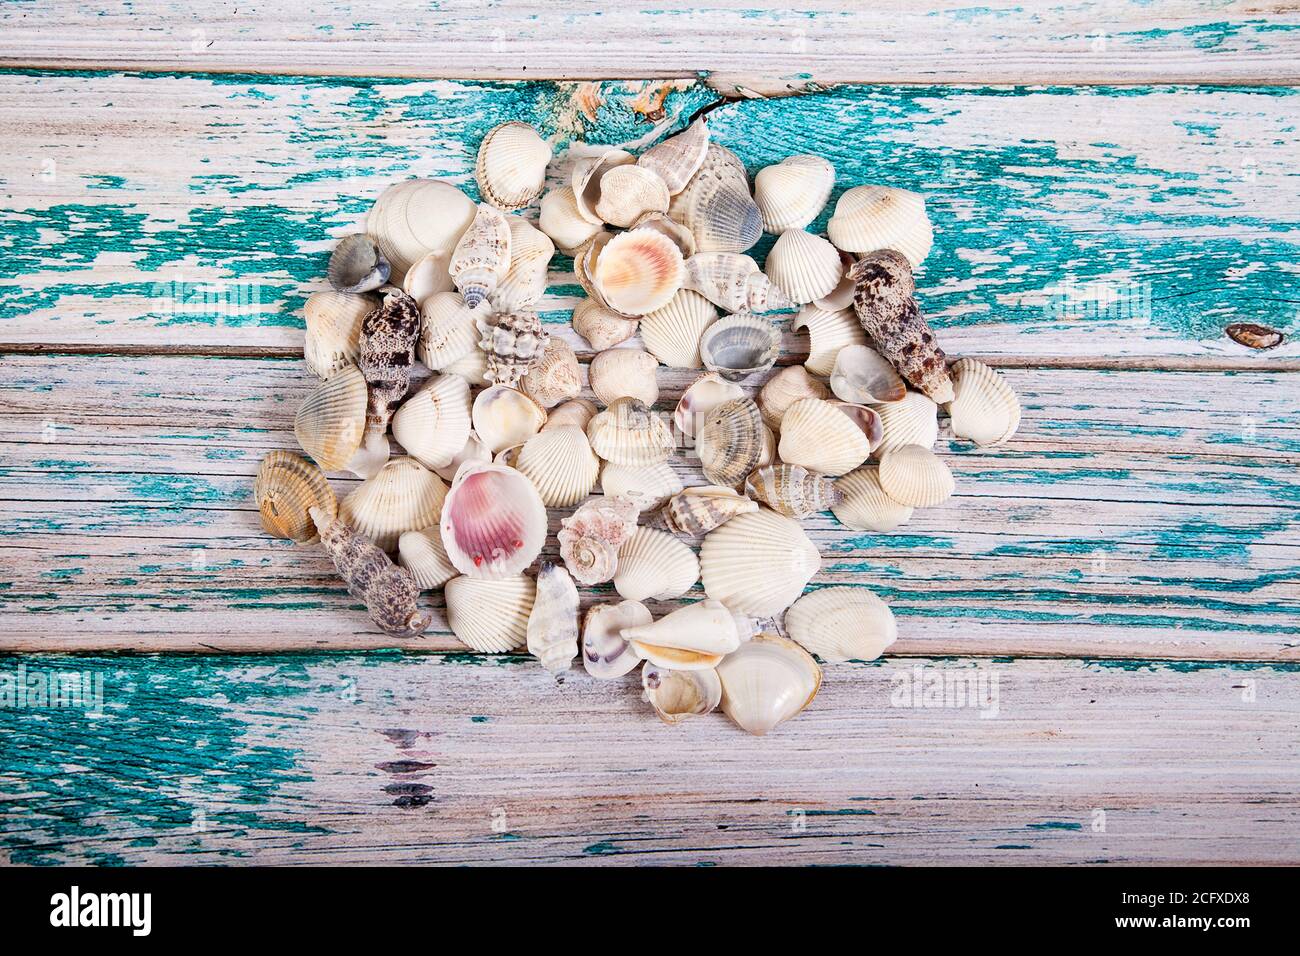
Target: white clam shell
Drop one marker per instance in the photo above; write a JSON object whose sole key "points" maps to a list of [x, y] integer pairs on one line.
{"points": [[866, 507], [701, 397], [629, 433], [434, 423], [629, 192], [332, 419], [504, 417], [402, 496], [767, 681], [624, 373], [511, 167], [913, 420], [413, 218], [804, 266], [561, 220], [490, 615], [472, 367], [422, 553], [553, 621], [646, 486], [576, 411], [690, 638], [678, 695], [915, 476], [638, 271], [603, 328], [606, 654], [984, 409], [828, 333], [493, 521], [448, 331], [333, 322], [561, 464], [672, 333], [524, 283], [654, 564], [820, 436], [864, 376], [791, 193], [740, 345], [757, 563], [677, 159], [784, 389], [868, 218], [842, 624], [588, 175]]}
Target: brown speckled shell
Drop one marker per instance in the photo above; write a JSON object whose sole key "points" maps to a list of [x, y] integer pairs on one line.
{"points": [[387, 349]]}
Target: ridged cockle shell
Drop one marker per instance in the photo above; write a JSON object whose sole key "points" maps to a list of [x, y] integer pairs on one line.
{"points": [[493, 521]]}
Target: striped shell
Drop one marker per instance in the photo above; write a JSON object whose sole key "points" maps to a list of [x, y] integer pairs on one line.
{"points": [[402, 496], [654, 564], [481, 258], [629, 192], [286, 488], [699, 510], [332, 419], [842, 624], [792, 490], [556, 377], [490, 615], [804, 266], [561, 464], [758, 563], [915, 476], [865, 506], [730, 443]]}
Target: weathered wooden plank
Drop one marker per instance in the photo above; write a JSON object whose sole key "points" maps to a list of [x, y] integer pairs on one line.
{"points": [[1096, 224], [412, 759], [1136, 513], [743, 45]]}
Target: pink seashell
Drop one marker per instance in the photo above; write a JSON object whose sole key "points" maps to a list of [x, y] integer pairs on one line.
{"points": [[493, 521], [591, 536]]}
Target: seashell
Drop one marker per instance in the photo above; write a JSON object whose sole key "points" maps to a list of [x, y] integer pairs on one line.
{"points": [[387, 351], [588, 180], [562, 222], [389, 592], [629, 192], [507, 456], [629, 433], [716, 205], [473, 450], [676, 695], [421, 553], [730, 442], [504, 417], [828, 332], [428, 276], [699, 510], [576, 411], [493, 521], [472, 367], [790, 194], [561, 464], [659, 222], [740, 345], [286, 488], [702, 396], [448, 330], [585, 261], [357, 265], [638, 271], [511, 167], [513, 342], [804, 266], [602, 328], [433, 424], [784, 389], [672, 333], [984, 409], [490, 615], [1254, 336], [555, 378], [914, 420], [693, 637], [792, 490], [654, 564], [887, 310], [842, 624], [591, 536], [677, 159], [830, 438], [733, 282], [411, 219], [869, 218], [863, 376], [767, 681], [524, 283], [757, 563], [334, 329], [624, 373], [402, 496], [482, 257], [915, 476], [605, 652], [646, 486], [841, 297], [553, 621], [866, 507], [332, 419]]}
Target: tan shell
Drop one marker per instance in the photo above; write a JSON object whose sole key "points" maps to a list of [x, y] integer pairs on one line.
{"points": [[784, 389], [415, 217], [692, 637], [561, 464], [914, 420], [605, 652], [629, 433], [827, 437], [490, 615], [672, 333], [679, 157], [868, 218], [767, 681], [792, 193], [402, 496], [915, 476], [603, 328], [334, 329], [629, 192], [590, 538], [804, 266], [734, 282], [792, 490], [864, 376], [332, 419], [758, 563], [984, 409], [828, 332], [730, 443], [561, 220], [504, 417], [433, 424], [286, 488], [555, 378], [576, 411], [428, 276], [482, 257], [654, 564], [638, 272], [422, 553], [511, 167], [842, 624], [647, 486], [865, 506], [701, 397], [448, 330], [679, 695], [699, 510], [524, 283], [624, 373]]}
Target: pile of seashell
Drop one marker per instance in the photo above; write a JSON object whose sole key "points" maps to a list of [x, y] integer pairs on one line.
{"points": [[501, 417]]}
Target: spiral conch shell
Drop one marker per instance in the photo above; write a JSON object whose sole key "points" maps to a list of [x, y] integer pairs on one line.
{"points": [[555, 378], [694, 637], [553, 621], [333, 338], [563, 223], [493, 521], [624, 373], [402, 496], [767, 681], [733, 282], [792, 490], [865, 506], [602, 327], [490, 614], [679, 157], [842, 624], [699, 510], [629, 433], [513, 342], [870, 218], [511, 168], [389, 592], [792, 193], [606, 653], [757, 563], [638, 271], [887, 309], [677, 695], [482, 257], [591, 537], [984, 409], [287, 487]]}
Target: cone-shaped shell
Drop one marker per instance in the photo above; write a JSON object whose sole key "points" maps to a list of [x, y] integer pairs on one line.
{"points": [[422, 553], [560, 220], [624, 373], [511, 167], [490, 615], [530, 257], [984, 409], [493, 521], [603, 328], [677, 159], [828, 333], [555, 378], [716, 205], [915, 476], [678, 695], [482, 257], [827, 437], [868, 218], [767, 681], [356, 265], [646, 486], [389, 592], [561, 464], [504, 417], [733, 282], [402, 496], [792, 490], [553, 622], [448, 330], [673, 332], [699, 510], [690, 638], [701, 397], [591, 537], [804, 266], [654, 564], [629, 433], [730, 444], [410, 219], [865, 506], [629, 192], [332, 419], [842, 624], [913, 420], [334, 329], [606, 653], [638, 271], [791, 193], [286, 488], [740, 345], [784, 389], [758, 563], [433, 424]]}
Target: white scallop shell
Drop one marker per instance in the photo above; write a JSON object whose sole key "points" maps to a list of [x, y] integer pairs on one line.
{"points": [[864, 376], [654, 564], [915, 476], [493, 521], [804, 266], [678, 695], [524, 283], [757, 563], [828, 333], [402, 496], [334, 329], [692, 637], [767, 681], [332, 419], [672, 333], [866, 507], [511, 167], [638, 271], [792, 193], [603, 328], [701, 397], [413, 218], [868, 218], [605, 652], [629, 192], [422, 553], [433, 424], [490, 615], [576, 411], [842, 624], [504, 417], [560, 220], [472, 367], [819, 435], [560, 462], [984, 409], [914, 420], [624, 373], [447, 330], [784, 389], [646, 486]]}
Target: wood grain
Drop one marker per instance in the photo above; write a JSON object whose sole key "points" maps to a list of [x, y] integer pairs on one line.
{"points": [[412, 759], [741, 46]]}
